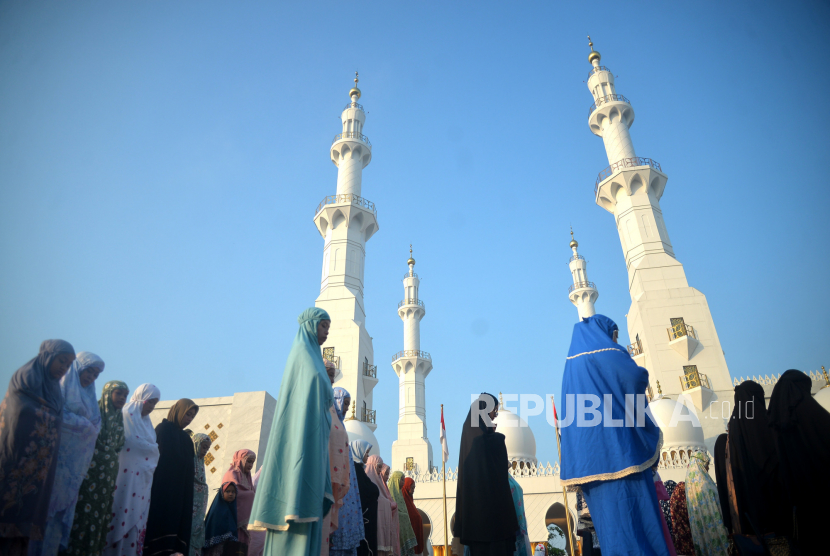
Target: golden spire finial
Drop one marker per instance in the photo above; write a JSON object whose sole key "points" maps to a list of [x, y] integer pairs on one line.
{"points": [[826, 378], [594, 55], [354, 406], [411, 261], [355, 91], [659, 390], [501, 400], [573, 243]]}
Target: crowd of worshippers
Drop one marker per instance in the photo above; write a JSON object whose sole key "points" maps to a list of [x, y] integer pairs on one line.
{"points": [[769, 465], [82, 476]]}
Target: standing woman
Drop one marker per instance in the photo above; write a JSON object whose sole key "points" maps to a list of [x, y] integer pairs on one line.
{"points": [[408, 491], [339, 457], [801, 433], [349, 529], [295, 488], [407, 534], [385, 531], [485, 520], [385, 470], [31, 413], [368, 498], [754, 463], [240, 474], [79, 431], [93, 511], [722, 481], [201, 445], [705, 516], [137, 461], [171, 498], [682, 530]]}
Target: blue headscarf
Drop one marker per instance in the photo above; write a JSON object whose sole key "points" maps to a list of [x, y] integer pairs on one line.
{"points": [[296, 482], [358, 449], [220, 523], [597, 365], [340, 395]]}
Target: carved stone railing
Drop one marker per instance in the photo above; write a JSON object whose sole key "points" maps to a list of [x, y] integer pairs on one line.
{"points": [[767, 380], [530, 470], [607, 98], [352, 135], [677, 457], [411, 353], [631, 162], [346, 198], [579, 285]]}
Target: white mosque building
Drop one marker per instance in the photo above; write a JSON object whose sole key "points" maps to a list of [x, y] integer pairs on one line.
{"points": [[670, 324]]}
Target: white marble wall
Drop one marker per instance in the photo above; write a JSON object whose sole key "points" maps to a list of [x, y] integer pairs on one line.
{"points": [[234, 422]]}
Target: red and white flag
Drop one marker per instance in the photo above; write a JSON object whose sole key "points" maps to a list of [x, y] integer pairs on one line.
{"points": [[445, 452]]}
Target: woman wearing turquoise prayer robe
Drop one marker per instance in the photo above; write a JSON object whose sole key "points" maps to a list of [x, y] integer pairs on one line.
{"points": [[294, 490], [606, 454]]}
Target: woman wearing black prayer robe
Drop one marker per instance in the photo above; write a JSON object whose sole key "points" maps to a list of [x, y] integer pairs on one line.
{"points": [[170, 517], [485, 518], [368, 498], [720, 477], [801, 433], [754, 464]]}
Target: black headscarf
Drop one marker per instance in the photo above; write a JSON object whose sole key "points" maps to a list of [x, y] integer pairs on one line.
{"points": [[369, 503], [170, 517], [720, 477], [801, 433], [485, 519], [754, 461]]}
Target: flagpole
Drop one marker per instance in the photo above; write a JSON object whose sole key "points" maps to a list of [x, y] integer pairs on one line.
{"points": [[564, 489], [444, 475]]}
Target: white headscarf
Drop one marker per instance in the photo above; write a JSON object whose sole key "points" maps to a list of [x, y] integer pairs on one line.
{"points": [[359, 449], [137, 461], [81, 400]]}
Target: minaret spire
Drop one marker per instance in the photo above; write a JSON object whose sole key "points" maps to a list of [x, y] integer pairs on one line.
{"points": [[670, 326], [346, 220], [582, 293], [412, 367]]}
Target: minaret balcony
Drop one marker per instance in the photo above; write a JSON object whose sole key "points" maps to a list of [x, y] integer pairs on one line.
{"points": [[635, 349], [354, 105], [411, 353], [408, 275], [582, 285], [368, 416], [357, 212], [597, 70], [352, 135], [576, 258], [607, 98], [681, 329], [417, 302], [370, 370], [629, 176]]}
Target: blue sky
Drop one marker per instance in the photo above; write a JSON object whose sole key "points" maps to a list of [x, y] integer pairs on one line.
{"points": [[160, 163]]}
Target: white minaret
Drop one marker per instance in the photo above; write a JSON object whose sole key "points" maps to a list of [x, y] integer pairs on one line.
{"points": [[669, 322], [582, 293], [347, 221], [412, 366]]}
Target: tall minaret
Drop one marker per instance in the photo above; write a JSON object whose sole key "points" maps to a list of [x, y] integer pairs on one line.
{"points": [[582, 293], [347, 221], [669, 322], [412, 366]]}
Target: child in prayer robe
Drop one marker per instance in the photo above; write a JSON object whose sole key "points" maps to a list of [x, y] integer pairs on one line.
{"points": [[221, 534]]}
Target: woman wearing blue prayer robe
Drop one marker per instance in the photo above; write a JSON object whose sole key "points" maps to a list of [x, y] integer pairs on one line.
{"points": [[294, 491], [610, 460]]}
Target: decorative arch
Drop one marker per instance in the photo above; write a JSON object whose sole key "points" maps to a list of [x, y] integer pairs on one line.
{"points": [[555, 515]]}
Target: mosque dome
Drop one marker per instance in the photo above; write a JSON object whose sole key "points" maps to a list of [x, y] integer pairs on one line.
{"points": [[358, 430], [521, 444], [823, 397], [685, 436]]}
